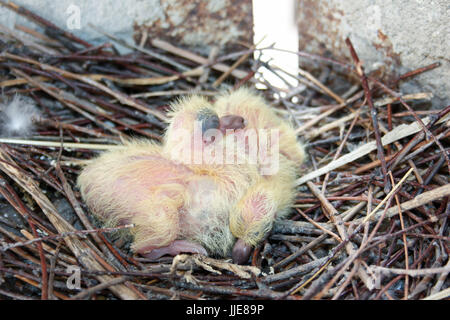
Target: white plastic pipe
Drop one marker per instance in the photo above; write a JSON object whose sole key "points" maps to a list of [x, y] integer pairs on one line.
{"points": [[274, 22]]}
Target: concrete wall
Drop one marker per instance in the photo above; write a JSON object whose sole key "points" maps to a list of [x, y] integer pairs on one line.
{"points": [[194, 23], [402, 34]]}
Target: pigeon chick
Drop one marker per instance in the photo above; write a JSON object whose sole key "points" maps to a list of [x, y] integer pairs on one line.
{"points": [[182, 196], [272, 194]]}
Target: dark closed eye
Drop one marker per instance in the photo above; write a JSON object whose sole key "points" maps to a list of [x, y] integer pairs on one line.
{"points": [[209, 120]]}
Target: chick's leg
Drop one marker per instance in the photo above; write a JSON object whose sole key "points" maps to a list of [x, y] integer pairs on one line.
{"points": [[253, 217], [157, 229]]}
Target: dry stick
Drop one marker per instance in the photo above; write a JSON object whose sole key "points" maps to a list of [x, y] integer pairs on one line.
{"points": [[67, 103], [72, 127], [441, 280], [20, 81], [311, 78], [325, 114], [44, 292], [21, 253], [341, 146], [204, 77], [417, 138], [27, 13], [68, 260], [297, 288], [294, 272], [372, 109], [52, 270], [405, 243], [346, 282], [346, 216], [231, 290], [398, 133], [344, 265], [39, 286], [15, 296], [422, 124], [301, 251], [413, 273], [423, 284], [170, 292], [69, 100], [47, 248], [63, 235], [439, 295], [419, 148], [140, 49], [240, 74], [154, 80], [76, 206], [37, 34], [418, 71], [95, 100], [85, 254], [124, 99], [27, 41], [141, 81], [172, 93], [233, 67], [378, 103], [397, 186], [339, 224], [90, 291], [68, 145], [410, 162], [418, 201], [331, 125], [426, 144], [410, 96], [325, 230], [333, 214], [20, 206]]}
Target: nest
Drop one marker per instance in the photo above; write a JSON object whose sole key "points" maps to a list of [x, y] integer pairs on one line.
{"points": [[371, 216]]}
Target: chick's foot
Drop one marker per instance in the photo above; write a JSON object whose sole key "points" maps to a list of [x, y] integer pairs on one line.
{"points": [[175, 248], [241, 252]]}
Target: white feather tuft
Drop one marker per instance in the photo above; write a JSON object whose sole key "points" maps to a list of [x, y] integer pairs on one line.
{"points": [[17, 115]]}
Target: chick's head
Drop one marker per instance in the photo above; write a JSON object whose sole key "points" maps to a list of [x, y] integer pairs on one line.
{"points": [[194, 125]]}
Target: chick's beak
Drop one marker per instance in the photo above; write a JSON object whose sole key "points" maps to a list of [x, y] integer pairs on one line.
{"points": [[231, 122], [241, 252]]}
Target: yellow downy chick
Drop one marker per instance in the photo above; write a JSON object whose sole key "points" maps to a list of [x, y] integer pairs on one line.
{"points": [[271, 195], [193, 194]]}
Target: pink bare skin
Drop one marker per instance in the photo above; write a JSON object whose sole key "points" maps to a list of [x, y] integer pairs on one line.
{"points": [[241, 252], [231, 122]]}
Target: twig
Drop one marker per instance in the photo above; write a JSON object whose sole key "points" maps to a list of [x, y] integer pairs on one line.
{"points": [[439, 295], [64, 235], [90, 291], [394, 135], [372, 109]]}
